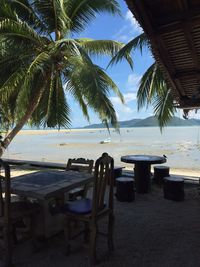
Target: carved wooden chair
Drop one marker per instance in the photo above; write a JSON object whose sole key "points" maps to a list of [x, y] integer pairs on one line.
{"points": [[12, 213], [89, 211], [81, 165]]}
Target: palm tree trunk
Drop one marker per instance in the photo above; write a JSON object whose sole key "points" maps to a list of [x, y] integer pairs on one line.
{"points": [[33, 105]]}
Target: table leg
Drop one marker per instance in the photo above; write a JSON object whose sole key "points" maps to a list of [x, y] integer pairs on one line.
{"points": [[142, 177]]}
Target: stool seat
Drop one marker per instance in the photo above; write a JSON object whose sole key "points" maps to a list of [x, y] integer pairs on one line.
{"points": [[125, 179], [174, 179], [129, 174], [125, 189], [174, 188], [117, 172], [159, 173]]}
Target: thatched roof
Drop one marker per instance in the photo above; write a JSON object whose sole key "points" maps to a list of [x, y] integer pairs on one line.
{"points": [[173, 28]]}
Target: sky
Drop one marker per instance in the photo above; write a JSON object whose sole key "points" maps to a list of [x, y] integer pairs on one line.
{"points": [[122, 29]]}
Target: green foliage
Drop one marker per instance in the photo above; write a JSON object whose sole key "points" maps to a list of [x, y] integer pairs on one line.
{"points": [[137, 43], [153, 89], [81, 13], [40, 64]]}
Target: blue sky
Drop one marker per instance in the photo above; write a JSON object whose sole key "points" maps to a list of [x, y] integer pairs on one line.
{"points": [[121, 29]]}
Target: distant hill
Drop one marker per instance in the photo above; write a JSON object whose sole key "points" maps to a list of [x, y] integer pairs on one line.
{"points": [[123, 124], [175, 121], [149, 122]]}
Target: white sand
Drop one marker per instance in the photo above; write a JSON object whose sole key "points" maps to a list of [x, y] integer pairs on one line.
{"points": [[44, 132]]}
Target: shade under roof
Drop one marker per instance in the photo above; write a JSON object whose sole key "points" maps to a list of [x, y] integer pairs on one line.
{"points": [[173, 28]]}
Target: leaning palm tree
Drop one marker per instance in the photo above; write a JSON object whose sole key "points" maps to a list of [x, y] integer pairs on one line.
{"points": [[41, 63], [153, 89]]}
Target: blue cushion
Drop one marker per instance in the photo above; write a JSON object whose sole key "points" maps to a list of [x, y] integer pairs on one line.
{"points": [[82, 206]]}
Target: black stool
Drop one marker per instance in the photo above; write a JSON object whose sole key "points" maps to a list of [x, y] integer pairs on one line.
{"points": [[174, 188], [117, 172], [125, 189], [159, 173]]}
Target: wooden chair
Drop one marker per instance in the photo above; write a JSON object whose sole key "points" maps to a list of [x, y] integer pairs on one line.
{"points": [[81, 165], [12, 213], [90, 211]]}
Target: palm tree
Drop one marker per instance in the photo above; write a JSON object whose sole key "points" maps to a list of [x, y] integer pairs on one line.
{"points": [[153, 89], [41, 63]]}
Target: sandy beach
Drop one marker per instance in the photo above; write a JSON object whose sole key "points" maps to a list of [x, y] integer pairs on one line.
{"points": [[67, 131], [179, 145]]}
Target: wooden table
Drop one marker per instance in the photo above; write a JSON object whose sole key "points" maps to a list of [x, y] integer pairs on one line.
{"points": [[143, 169], [48, 187]]}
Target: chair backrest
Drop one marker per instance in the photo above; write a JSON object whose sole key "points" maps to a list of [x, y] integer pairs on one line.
{"points": [[5, 201], [80, 164], [104, 180]]}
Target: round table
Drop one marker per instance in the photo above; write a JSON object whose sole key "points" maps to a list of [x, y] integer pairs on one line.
{"points": [[143, 169]]}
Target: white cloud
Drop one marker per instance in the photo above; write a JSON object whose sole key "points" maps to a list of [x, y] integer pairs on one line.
{"points": [[133, 22], [133, 81], [123, 111], [194, 114], [130, 30], [130, 97], [123, 35], [115, 100]]}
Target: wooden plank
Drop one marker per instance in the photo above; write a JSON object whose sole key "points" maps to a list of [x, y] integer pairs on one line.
{"points": [[51, 165]]}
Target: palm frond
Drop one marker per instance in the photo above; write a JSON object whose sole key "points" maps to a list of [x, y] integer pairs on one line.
{"points": [[90, 80], [6, 11], [11, 85], [41, 62], [164, 109], [6, 119], [77, 94], [139, 42], [154, 90], [25, 11], [103, 47], [82, 12], [99, 76], [38, 68], [149, 84], [53, 15], [53, 110], [58, 110], [19, 29]]}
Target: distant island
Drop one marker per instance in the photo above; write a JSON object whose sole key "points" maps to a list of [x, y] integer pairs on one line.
{"points": [[149, 122]]}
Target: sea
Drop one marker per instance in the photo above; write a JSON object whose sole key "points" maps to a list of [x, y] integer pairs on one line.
{"points": [[181, 145]]}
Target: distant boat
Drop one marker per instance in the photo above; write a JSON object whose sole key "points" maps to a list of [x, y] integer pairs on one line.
{"points": [[107, 140]]}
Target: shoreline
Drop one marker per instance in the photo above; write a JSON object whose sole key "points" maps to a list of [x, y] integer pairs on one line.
{"points": [[91, 130], [57, 146], [67, 131]]}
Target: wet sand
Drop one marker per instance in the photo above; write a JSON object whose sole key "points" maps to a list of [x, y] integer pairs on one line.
{"points": [[58, 146]]}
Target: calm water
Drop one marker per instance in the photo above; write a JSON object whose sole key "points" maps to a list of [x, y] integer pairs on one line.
{"points": [[181, 145]]}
